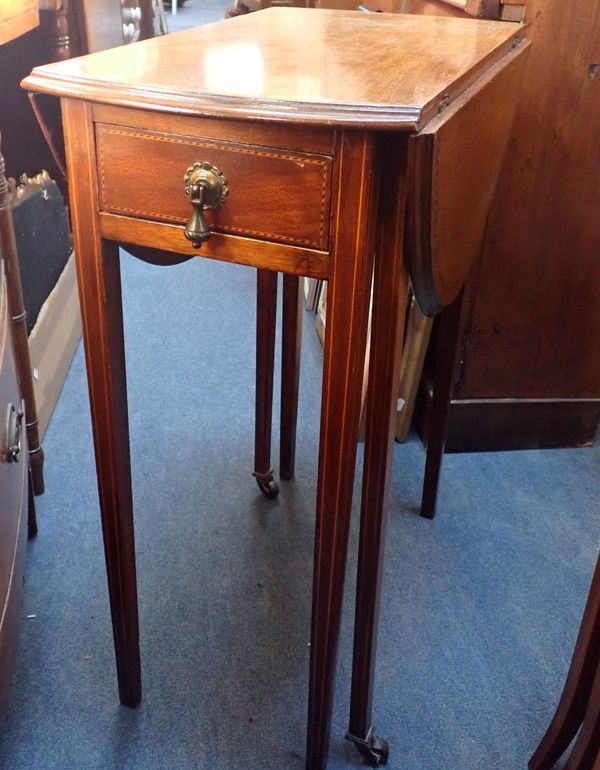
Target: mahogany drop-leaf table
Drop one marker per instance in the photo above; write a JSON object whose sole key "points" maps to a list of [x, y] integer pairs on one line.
{"points": [[312, 143]]}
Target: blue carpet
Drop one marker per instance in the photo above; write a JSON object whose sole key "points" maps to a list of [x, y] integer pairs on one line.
{"points": [[481, 606]]}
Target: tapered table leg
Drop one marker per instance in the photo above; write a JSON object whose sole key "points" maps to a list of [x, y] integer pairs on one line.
{"points": [[575, 697], [345, 341], [291, 345], [266, 314], [390, 295], [442, 387], [99, 284]]}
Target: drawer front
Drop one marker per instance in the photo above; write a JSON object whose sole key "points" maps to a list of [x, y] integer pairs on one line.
{"points": [[274, 195]]}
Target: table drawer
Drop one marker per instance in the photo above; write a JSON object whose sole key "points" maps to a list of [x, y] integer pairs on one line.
{"points": [[275, 195]]}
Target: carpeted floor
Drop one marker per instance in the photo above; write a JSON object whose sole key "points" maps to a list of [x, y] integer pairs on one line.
{"points": [[480, 608]]}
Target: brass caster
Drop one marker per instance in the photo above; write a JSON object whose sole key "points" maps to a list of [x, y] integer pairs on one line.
{"points": [[374, 749], [267, 485]]}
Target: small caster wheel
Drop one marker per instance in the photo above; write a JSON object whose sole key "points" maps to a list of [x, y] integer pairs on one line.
{"points": [[374, 749], [269, 488], [267, 485], [377, 751]]}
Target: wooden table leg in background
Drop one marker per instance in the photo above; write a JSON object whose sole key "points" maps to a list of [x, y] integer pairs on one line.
{"points": [[390, 293], [579, 704], [266, 314], [291, 345], [99, 283], [442, 389]]}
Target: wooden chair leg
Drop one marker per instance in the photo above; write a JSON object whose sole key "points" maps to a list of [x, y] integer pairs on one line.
{"points": [[442, 388], [19, 327], [586, 750], [390, 295], [266, 316], [575, 697], [291, 345]]}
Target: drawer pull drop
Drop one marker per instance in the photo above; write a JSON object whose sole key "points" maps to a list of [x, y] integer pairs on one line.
{"points": [[14, 422], [206, 187]]}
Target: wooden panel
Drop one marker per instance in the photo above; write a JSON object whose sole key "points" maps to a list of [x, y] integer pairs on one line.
{"points": [[228, 248], [455, 164], [273, 195], [279, 136], [16, 18], [486, 425], [533, 328]]}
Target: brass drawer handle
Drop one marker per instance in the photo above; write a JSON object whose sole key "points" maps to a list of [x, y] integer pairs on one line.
{"points": [[14, 422], [206, 187]]}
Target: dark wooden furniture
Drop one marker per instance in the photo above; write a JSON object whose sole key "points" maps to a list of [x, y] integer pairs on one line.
{"points": [[578, 710], [431, 237], [14, 498], [527, 370], [19, 334], [317, 184]]}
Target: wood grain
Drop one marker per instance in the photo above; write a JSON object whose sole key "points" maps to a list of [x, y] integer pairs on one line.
{"points": [[298, 65], [390, 292], [348, 298], [266, 313], [455, 163], [533, 326], [259, 179], [101, 312], [226, 248]]}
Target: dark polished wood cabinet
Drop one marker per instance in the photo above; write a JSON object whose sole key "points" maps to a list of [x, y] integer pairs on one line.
{"points": [[528, 362]]}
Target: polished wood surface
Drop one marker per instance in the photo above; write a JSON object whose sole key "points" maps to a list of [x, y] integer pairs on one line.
{"points": [[348, 296], [293, 64], [291, 343], [529, 373], [101, 312], [452, 188], [266, 312], [390, 293], [360, 212], [447, 342], [259, 177]]}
